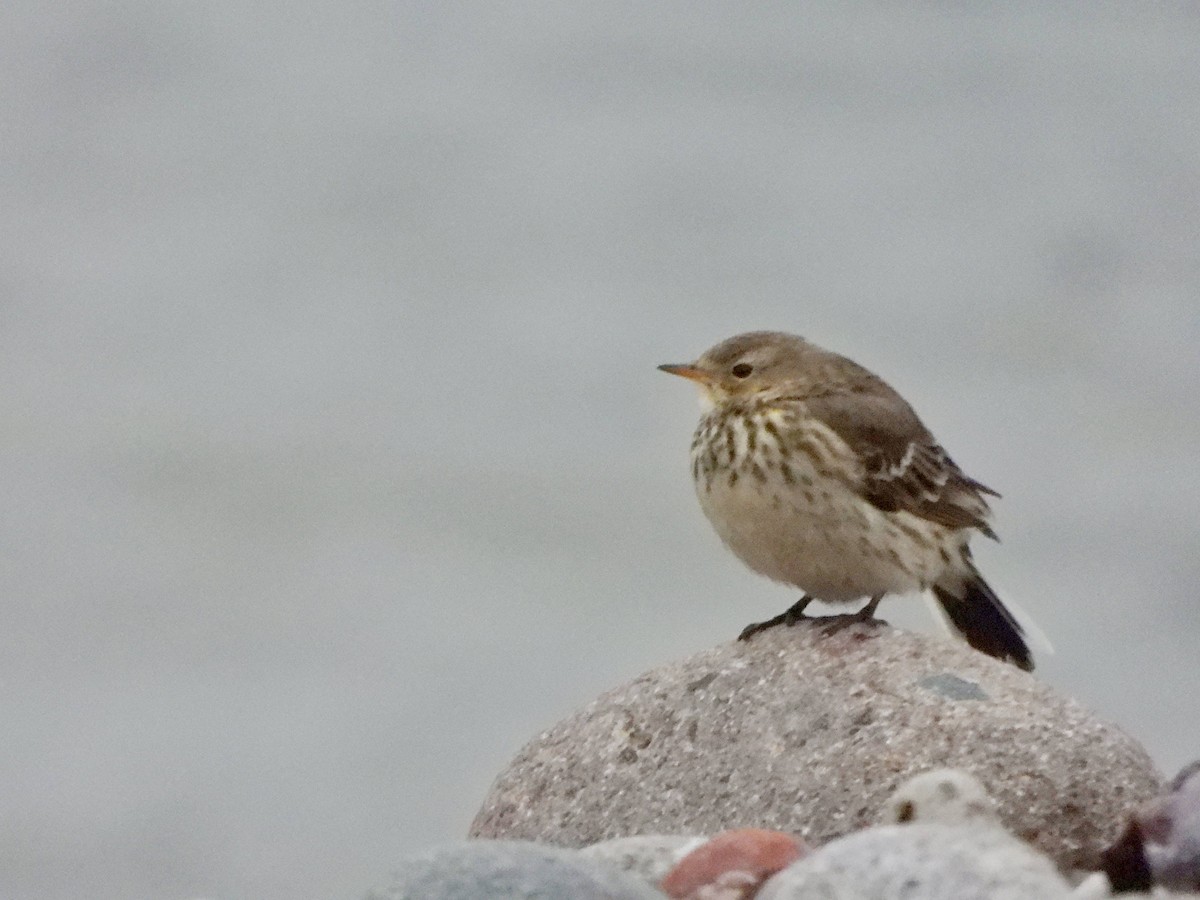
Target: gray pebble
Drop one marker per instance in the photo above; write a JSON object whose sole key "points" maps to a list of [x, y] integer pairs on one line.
{"points": [[926, 861], [943, 796], [648, 856]]}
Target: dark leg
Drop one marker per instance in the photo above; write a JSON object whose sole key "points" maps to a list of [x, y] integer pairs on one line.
{"points": [[866, 614], [794, 614]]}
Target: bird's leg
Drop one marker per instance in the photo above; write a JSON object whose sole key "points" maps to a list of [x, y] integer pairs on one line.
{"points": [[866, 614], [790, 616]]}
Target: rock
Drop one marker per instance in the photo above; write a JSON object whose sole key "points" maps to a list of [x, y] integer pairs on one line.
{"points": [[1172, 829], [1124, 862], [510, 870], [732, 866], [648, 856], [932, 862], [944, 796], [1093, 886], [951, 845], [1161, 842], [808, 732]]}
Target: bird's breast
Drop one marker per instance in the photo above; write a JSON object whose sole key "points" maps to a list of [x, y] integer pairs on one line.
{"points": [[781, 493]]}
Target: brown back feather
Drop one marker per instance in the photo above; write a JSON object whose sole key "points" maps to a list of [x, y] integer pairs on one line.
{"points": [[904, 467]]}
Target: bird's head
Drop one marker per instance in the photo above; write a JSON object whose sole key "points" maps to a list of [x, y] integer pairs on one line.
{"points": [[744, 366]]}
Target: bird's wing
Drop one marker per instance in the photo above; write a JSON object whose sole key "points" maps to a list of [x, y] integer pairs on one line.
{"points": [[903, 467]]}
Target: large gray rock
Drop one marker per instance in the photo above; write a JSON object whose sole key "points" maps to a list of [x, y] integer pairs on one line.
{"points": [[510, 870], [808, 732]]}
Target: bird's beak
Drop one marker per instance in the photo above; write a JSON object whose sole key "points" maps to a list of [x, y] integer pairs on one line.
{"points": [[687, 370]]}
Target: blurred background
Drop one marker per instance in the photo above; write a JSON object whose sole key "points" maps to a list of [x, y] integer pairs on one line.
{"points": [[336, 462]]}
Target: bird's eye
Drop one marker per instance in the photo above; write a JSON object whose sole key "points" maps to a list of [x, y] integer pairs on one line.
{"points": [[742, 370]]}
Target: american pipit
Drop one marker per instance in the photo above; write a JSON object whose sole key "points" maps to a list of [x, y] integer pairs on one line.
{"points": [[816, 473]]}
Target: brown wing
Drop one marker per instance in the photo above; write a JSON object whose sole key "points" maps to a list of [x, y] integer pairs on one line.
{"points": [[904, 467]]}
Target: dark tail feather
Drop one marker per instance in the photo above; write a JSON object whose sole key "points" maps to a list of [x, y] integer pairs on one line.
{"points": [[977, 614]]}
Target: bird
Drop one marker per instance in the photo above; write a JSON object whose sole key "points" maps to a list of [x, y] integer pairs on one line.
{"points": [[819, 475]]}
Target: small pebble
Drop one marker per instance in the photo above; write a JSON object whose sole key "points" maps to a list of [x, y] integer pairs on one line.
{"points": [[945, 796], [648, 856], [732, 865], [927, 861]]}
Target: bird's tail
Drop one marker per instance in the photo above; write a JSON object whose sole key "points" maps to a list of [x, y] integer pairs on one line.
{"points": [[975, 613]]}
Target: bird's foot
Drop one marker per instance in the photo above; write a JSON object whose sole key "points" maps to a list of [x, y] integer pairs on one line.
{"points": [[865, 616], [791, 616], [834, 624], [785, 618]]}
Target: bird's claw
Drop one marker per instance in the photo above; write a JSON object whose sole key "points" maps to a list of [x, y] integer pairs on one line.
{"points": [[788, 618], [834, 624]]}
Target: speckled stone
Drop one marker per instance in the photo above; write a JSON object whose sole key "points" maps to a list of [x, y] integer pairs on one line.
{"points": [[933, 862], [808, 732], [510, 870], [940, 796]]}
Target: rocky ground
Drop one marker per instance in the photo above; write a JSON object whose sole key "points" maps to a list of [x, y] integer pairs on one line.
{"points": [[864, 762]]}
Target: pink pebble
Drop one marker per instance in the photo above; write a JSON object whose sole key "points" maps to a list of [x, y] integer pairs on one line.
{"points": [[739, 860]]}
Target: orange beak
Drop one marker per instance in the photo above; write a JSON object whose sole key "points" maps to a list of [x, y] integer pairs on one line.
{"points": [[687, 370]]}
